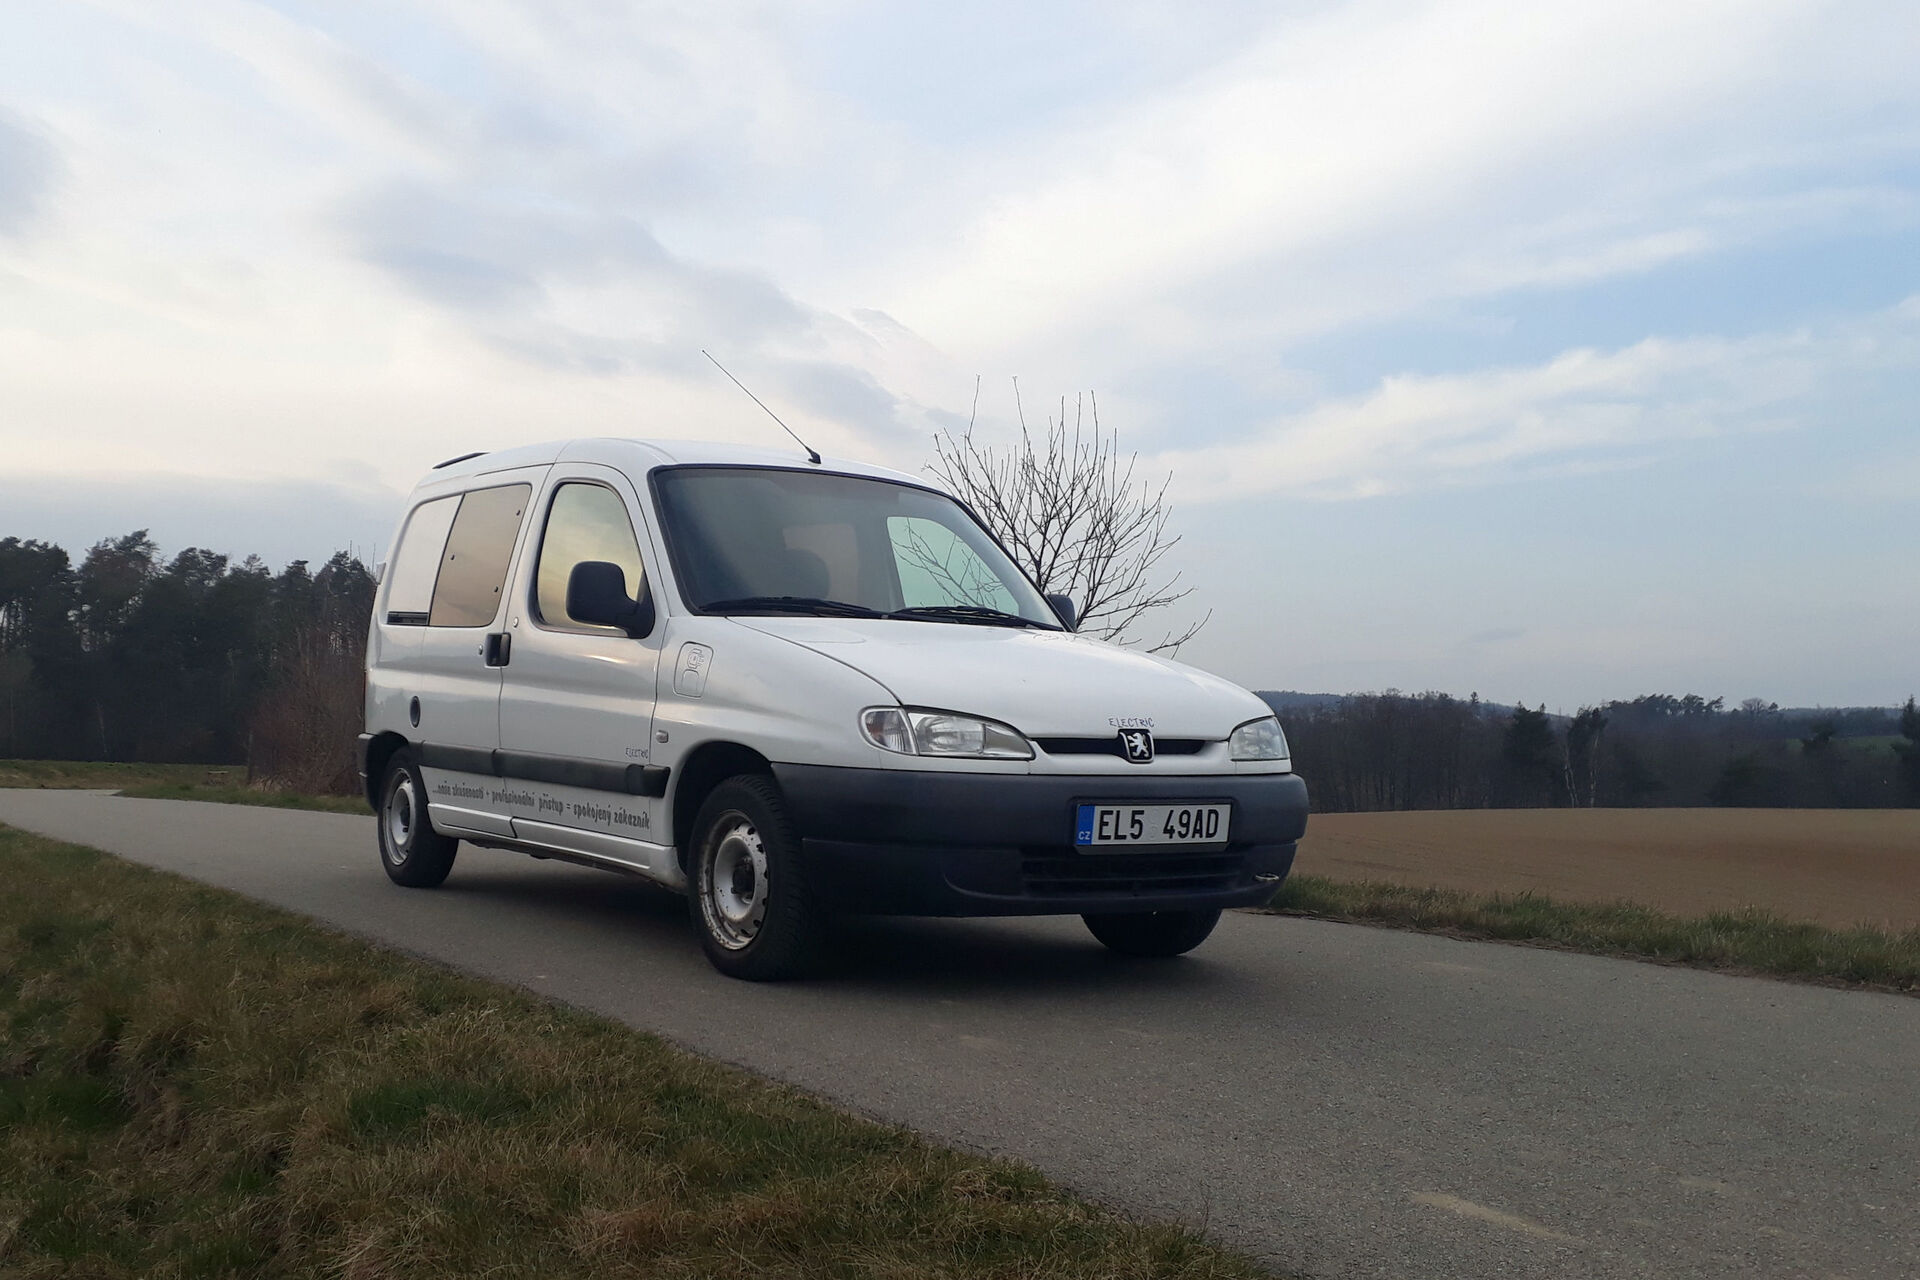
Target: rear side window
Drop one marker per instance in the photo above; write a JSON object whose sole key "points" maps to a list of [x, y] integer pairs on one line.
{"points": [[416, 562], [585, 522], [473, 570]]}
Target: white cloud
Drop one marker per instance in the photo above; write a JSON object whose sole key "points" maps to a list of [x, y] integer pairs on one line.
{"points": [[339, 243], [1345, 125], [273, 249], [276, 244], [1379, 161], [27, 171], [1582, 409]]}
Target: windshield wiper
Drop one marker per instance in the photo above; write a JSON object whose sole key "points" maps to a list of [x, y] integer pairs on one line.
{"points": [[792, 604], [971, 613]]}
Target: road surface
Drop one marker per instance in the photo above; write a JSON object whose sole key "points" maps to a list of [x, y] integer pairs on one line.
{"points": [[1336, 1100]]}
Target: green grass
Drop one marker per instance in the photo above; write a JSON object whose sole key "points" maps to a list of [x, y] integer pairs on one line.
{"points": [[247, 795], [1750, 941], [221, 784], [195, 1085], [98, 775]]}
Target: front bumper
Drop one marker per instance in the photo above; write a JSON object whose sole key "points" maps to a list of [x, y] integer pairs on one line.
{"points": [[899, 842]]}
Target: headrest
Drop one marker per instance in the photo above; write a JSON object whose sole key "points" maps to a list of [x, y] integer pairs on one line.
{"points": [[805, 574]]}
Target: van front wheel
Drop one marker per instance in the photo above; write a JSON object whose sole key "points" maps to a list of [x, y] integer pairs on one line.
{"points": [[1153, 933], [413, 853], [755, 913]]}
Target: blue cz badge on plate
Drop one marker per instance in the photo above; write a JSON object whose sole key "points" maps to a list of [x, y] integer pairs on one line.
{"points": [[1083, 825]]}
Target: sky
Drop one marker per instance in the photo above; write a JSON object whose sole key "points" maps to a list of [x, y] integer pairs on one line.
{"points": [[1557, 353]]}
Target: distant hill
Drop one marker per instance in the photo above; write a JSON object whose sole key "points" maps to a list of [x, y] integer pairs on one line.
{"points": [[1846, 722], [1293, 700], [1285, 700]]}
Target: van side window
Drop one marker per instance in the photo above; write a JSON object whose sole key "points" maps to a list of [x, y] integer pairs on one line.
{"points": [[937, 568], [474, 569], [585, 522], [416, 563]]}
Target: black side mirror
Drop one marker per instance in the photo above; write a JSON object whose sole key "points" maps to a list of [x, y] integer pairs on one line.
{"points": [[597, 596], [1066, 611]]}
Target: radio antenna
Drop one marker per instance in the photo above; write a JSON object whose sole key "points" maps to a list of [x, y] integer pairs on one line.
{"points": [[813, 456]]}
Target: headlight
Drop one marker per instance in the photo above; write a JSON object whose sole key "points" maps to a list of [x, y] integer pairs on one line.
{"points": [[1259, 740], [913, 731]]}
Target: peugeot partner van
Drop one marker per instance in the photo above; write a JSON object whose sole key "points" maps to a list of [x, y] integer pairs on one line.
{"points": [[792, 689]]}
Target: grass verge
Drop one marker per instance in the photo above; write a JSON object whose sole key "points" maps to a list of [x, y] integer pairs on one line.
{"points": [[98, 775], [221, 784], [1750, 941], [195, 1085], [247, 795]]}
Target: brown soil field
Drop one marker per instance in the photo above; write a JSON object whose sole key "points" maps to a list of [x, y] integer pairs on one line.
{"points": [[1832, 866]]}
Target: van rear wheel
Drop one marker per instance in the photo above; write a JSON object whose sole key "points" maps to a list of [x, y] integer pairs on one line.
{"points": [[413, 853], [757, 917], [1153, 933]]}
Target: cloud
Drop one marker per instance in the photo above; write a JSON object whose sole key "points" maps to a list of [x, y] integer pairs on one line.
{"points": [[1368, 162], [1582, 409], [592, 195], [277, 519], [561, 281], [454, 279], [27, 169], [293, 235]]}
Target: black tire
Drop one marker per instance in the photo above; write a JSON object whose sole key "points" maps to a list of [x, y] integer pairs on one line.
{"points": [[756, 915], [1153, 933], [414, 854]]}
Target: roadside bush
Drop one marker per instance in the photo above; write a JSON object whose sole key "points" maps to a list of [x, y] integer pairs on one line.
{"points": [[306, 725]]}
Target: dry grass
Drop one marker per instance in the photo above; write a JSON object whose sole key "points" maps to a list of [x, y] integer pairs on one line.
{"points": [[94, 775], [194, 1085], [221, 784], [1838, 867], [248, 795], [1746, 941]]}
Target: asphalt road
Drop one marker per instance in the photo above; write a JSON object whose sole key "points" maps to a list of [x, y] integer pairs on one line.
{"points": [[1337, 1100]]}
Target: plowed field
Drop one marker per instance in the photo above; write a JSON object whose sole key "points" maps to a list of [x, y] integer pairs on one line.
{"points": [[1834, 866]]}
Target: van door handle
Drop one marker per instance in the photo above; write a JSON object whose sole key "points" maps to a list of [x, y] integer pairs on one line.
{"points": [[498, 650]]}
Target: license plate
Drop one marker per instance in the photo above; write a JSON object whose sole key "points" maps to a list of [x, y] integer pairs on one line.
{"points": [[1105, 825]]}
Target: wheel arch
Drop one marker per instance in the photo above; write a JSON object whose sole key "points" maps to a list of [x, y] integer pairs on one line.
{"points": [[706, 767], [380, 749]]}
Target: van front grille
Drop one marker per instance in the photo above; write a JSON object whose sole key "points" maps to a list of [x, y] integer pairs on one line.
{"points": [[1110, 746], [1056, 870]]}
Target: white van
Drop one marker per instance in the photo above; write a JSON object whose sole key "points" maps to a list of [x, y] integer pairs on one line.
{"points": [[795, 689]]}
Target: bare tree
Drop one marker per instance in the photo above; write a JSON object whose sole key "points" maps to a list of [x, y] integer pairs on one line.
{"points": [[303, 731], [1068, 507], [952, 565], [1582, 755]]}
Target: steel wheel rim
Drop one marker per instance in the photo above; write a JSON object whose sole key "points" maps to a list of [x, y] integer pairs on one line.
{"points": [[733, 882], [397, 822]]}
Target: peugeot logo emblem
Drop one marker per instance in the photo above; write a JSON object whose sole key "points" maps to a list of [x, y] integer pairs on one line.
{"points": [[1137, 745]]}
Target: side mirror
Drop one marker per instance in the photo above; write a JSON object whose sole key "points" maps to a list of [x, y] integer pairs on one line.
{"points": [[1066, 611], [597, 596]]}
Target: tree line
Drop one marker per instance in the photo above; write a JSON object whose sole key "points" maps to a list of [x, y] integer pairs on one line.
{"points": [[1394, 750], [197, 659], [127, 656]]}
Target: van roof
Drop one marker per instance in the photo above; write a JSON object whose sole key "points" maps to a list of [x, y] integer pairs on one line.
{"points": [[637, 457]]}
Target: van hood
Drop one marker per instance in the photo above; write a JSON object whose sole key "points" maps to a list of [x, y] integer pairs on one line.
{"points": [[1041, 682]]}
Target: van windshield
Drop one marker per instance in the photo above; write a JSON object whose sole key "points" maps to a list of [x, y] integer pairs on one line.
{"points": [[747, 540]]}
